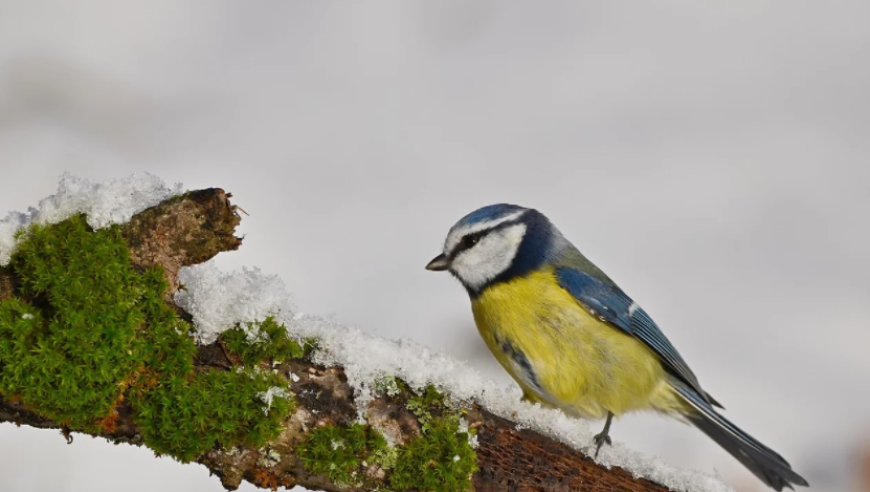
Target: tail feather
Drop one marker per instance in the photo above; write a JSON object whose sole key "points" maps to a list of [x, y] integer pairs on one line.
{"points": [[762, 461]]}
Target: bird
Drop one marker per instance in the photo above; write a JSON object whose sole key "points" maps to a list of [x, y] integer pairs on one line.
{"points": [[573, 340]]}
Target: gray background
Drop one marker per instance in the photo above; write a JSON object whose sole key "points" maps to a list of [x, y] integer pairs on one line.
{"points": [[712, 157]]}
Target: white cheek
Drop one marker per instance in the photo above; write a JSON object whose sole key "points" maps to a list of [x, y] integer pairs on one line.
{"points": [[490, 257], [456, 235]]}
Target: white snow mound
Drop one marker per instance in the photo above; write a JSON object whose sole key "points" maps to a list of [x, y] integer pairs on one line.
{"points": [[106, 203], [218, 301]]}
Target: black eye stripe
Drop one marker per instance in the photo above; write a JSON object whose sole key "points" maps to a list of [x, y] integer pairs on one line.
{"points": [[469, 240]]}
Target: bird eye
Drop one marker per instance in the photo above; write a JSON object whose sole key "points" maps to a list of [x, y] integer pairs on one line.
{"points": [[470, 240]]}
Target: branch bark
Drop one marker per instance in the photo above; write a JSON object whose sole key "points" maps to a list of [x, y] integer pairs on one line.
{"points": [[197, 226]]}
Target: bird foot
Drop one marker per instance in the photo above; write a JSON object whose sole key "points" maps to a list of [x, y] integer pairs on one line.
{"points": [[600, 440], [603, 436]]}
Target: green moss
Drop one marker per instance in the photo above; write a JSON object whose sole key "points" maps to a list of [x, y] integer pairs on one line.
{"points": [[339, 452], [70, 361], [89, 330], [441, 460], [270, 343], [429, 402], [385, 457], [184, 418]]}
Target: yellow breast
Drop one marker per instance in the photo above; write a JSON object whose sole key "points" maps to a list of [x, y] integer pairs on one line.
{"points": [[562, 355]]}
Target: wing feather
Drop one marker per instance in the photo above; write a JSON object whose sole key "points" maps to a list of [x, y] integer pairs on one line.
{"points": [[611, 304]]}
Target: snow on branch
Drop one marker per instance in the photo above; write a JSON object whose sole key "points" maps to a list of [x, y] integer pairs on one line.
{"points": [[222, 369]]}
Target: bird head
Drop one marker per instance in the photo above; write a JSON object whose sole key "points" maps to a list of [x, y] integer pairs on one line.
{"points": [[496, 243]]}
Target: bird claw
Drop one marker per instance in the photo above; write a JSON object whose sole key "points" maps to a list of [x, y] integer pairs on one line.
{"points": [[603, 436], [600, 440]]}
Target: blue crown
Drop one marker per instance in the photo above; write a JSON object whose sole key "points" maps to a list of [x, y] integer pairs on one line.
{"points": [[489, 212]]}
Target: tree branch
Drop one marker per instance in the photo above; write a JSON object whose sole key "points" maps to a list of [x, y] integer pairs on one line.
{"points": [[194, 227]]}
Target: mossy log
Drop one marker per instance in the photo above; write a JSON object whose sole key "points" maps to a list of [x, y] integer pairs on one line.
{"points": [[314, 439]]}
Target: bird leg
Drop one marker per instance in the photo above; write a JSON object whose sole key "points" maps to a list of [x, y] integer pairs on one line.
{"points": [[603, 436]]}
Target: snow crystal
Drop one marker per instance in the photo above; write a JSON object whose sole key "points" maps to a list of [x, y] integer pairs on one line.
{"points": [[270, 394], [219, 301], [462, 428], [106, 203]]}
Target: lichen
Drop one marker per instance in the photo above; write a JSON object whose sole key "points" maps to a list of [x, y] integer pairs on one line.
{"points": [[268, 458], [87, 331], [428, 401], [388, 386], [385, 457]]}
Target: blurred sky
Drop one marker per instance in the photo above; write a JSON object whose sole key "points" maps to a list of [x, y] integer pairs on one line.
{"points": [[712, 157]]}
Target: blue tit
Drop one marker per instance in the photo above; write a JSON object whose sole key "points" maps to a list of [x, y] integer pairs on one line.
{"points": [[572, 339]]}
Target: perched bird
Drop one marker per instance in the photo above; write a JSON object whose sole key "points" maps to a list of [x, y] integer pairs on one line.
{"points": [[573, 339]]}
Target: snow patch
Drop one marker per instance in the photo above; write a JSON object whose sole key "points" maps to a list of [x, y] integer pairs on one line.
{"points": [[219, 301], [111, 202]]}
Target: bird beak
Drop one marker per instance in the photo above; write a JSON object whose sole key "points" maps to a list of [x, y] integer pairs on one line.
{"points": [[438, 264]]}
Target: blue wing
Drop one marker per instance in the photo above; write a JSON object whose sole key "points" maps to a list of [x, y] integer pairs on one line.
{"points": [[611, 304]]}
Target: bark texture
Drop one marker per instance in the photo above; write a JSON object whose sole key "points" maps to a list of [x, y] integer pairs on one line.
{"points": [[197, 226]]}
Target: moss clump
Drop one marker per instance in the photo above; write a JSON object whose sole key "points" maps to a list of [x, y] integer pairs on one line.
{"points": [[442, 459], [88, 330], [70, 349], [185, 418], [339, 452], [429, 402], [271, 343]]}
